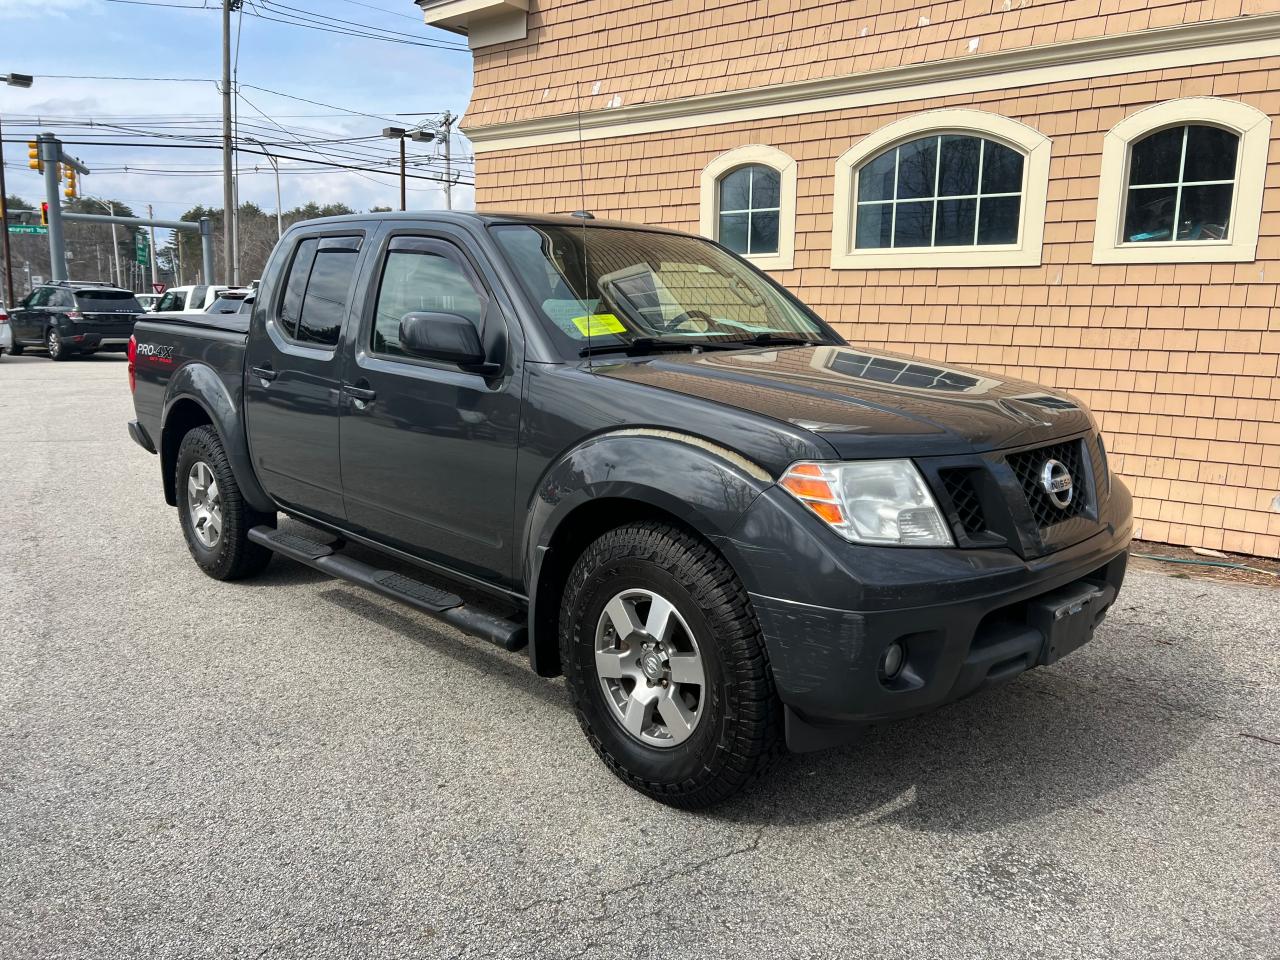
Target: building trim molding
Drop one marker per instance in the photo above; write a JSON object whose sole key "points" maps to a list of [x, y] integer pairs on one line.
{"points": [[1191, 44]]}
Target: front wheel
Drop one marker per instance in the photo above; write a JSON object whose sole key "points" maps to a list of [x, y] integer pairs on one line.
{"points": [[215, 518], [666, 666]]}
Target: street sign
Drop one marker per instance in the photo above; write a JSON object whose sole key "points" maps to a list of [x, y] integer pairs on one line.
{"points": [[142, 250], [158, 287], [27, 228]]}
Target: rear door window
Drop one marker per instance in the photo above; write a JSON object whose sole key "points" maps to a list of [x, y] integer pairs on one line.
{"points": [[173, 300], [318, 289]]}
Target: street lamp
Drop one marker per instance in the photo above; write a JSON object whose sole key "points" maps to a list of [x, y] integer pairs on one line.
{"points": [[110, 207], [276, 167], [22, 80], [398, 133]]}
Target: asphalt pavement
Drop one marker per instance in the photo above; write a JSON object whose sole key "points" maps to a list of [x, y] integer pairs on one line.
{"points": [[291, 767]]}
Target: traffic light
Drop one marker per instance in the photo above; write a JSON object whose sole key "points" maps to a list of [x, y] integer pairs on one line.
{"points": [[44, 213], [33, 156], [70, 191]]}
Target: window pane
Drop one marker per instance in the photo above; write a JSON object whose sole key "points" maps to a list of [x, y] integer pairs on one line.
{"points": [[1148, 214], [735, 190], [875, 179], [1157, 158], [915, 224], [1001, 169], [955, 222], [1211, 154], [1205, 213], [416, 283], [764, 233], [733, 231], [328, 295], [959, 173], [998, 219], [764, 187], [299, 270], [875, 223], [917, 164]]}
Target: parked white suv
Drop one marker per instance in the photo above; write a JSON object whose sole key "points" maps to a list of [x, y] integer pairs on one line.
{"points": [[195, 298]]}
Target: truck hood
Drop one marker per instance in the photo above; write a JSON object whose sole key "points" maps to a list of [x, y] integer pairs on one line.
{"points": [[866, 403]]}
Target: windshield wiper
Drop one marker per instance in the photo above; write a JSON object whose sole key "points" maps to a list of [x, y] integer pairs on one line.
{"points": [[771, 339], [643, 345]]}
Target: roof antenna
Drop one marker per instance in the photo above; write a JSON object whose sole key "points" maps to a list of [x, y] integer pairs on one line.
{"points": [[584, 215]]}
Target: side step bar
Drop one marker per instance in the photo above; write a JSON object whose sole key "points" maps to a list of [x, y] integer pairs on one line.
{"points": [[432, 601]]}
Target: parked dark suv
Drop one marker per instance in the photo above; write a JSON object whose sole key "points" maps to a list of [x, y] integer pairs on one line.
{"points": [[71, 317]]}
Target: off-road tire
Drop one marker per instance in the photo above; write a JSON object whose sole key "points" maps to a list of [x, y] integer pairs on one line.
{"points": [[234, 556], [739, 736]]}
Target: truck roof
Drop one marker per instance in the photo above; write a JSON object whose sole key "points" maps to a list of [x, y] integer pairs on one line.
{"points": [[490, 217]]}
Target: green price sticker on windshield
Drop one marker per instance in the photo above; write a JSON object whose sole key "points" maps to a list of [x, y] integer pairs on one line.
{"points": [[599, 325]]}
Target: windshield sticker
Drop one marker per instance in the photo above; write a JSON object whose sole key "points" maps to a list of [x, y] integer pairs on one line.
{"points": [[599, 325]]}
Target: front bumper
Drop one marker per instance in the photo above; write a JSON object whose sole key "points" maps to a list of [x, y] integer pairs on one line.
{"points": [[968, 619]]}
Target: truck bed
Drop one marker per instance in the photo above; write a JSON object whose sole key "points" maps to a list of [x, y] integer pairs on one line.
{"points": [[168, 345]]}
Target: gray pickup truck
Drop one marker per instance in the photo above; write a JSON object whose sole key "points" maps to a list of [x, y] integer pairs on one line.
{"points": [[728, 528]]}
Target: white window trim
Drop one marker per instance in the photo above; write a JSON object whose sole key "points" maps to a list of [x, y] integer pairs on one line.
{"points": [[709, 200], [1254, 129], [1031, 143]]}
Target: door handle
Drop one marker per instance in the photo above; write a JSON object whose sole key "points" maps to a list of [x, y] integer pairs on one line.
{"points": [[264, 373], [360, 396]]}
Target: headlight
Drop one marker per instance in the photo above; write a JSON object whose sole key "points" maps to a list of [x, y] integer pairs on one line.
{"points": [[871, 501]]}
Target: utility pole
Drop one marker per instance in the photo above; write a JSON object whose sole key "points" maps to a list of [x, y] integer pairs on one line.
{"points": [[398, 133], [154, 278], [228, 197], [446, 134], [4, 216], [14, 80], [51, 156]]}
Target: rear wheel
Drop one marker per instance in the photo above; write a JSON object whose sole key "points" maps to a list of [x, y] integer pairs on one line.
{"points": [[215, 518], [58, 350], [666, 666]]}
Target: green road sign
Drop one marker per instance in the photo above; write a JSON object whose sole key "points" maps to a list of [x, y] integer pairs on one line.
{"points": [[142, 250], [27, 228]]}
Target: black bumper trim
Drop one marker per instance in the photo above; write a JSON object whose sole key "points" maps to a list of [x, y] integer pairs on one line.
{"points": [[140, 437]]}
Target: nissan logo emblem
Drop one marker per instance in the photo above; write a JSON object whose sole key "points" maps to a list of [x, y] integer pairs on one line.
{"points": [[1055, 480]]}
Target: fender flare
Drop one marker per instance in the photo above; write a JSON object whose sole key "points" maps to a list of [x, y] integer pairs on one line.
{"points": [[617, 476], [200, 384]]}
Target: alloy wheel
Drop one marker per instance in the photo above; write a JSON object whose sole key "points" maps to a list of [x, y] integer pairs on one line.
{"points": [[650, 668], [204, 504], [54, 344]]}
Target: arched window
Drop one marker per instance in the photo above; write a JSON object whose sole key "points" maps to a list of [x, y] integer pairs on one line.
{"points": [[748, 203], [1182, 181], [942, 188], [748, 209]]}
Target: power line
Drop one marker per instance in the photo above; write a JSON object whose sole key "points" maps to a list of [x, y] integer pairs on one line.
{"points": [[81, 76], [348, 33]]}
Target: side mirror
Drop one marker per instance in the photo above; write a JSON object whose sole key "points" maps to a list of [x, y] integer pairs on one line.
{"points": [[442, 336]]}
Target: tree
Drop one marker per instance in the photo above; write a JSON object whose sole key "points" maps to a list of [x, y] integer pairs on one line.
{"points": [[257, 238]]}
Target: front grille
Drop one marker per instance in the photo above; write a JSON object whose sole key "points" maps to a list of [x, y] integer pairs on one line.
{"points": [[1027, 465], [958, 485]]}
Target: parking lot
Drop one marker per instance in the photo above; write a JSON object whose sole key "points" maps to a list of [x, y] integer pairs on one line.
{"points": [[292, 767]]}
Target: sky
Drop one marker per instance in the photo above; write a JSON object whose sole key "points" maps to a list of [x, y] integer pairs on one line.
{"points": [[51, 39]]}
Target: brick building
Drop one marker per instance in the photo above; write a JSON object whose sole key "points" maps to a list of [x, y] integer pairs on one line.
{"points": [[1085, 194]]}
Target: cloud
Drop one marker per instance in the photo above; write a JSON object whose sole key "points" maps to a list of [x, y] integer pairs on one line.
{"points": [[38, 9]]}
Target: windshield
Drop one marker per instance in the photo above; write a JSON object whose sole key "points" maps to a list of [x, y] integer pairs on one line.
{"points": [[619, 288], [107, 301]]}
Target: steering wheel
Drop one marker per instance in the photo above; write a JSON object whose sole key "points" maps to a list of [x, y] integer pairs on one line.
{"points": [[693, 317]]}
